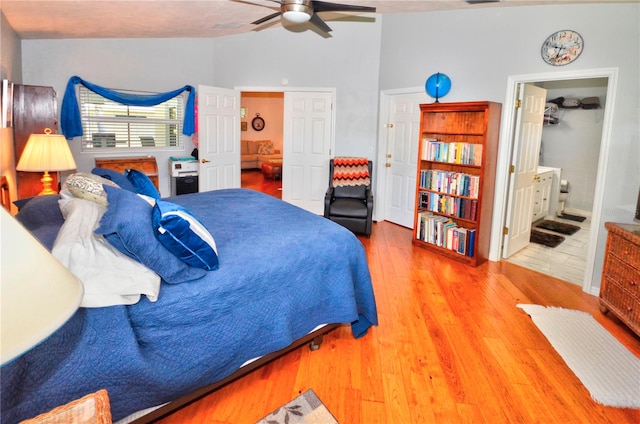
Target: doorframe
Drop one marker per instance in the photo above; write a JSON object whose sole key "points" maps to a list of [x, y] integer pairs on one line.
{"points": [[507, 141], [284, 90], [381, 159]]}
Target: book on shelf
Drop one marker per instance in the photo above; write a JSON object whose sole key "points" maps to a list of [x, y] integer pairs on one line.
{"points": [[455, 183], [451, 152], [444, 232], [471, 236], [462, 241]]}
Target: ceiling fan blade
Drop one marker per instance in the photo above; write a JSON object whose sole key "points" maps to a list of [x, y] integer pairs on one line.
{"points": [[319, 23], [322, 6], [266, 18]]}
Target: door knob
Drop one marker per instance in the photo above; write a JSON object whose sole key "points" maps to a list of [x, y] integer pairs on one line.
{"points": [[204, 161], [389, 155], [390, 125], [388, 165]]}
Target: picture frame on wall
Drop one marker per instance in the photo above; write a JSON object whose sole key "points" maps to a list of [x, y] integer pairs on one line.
{"points": [[243, 126], [7, 103]]}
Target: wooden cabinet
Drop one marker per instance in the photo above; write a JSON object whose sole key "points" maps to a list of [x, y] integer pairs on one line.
{"points": [[541, 195], [144, 164], [34, 109], [457, 158], [620, 285]]}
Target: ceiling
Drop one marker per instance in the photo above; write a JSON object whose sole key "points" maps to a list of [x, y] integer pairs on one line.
{"points": [[54, 19]]}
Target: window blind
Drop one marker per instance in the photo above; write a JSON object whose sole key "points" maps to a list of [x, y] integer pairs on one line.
{"points": [[111, 125]]}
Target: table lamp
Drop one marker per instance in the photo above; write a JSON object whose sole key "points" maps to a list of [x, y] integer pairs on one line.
{"points": [[38, 294], [46, 152]]}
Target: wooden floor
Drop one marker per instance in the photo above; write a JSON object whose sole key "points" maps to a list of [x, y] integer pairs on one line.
{"points": [[451, 347], [253, 179]]}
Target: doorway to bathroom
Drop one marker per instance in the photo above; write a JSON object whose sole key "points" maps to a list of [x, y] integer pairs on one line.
{"points": [[576, 145]]}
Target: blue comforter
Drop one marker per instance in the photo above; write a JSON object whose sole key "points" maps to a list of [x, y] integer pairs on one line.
{"points": [[283, 271]]}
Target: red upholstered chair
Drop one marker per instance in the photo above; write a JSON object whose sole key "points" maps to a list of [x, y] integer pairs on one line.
{"points": [[349, 200]]}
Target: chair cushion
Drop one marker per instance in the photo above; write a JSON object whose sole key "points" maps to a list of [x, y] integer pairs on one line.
{"points": [[351, 192], [352, 208]]}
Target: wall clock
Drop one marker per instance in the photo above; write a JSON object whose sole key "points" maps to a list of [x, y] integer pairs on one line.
{"points": [[257, 123], [562, 47]]}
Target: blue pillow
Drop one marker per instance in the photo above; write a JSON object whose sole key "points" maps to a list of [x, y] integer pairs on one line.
{"points": [[141, 183], [114, 176], [127, 226], [184, 235]]}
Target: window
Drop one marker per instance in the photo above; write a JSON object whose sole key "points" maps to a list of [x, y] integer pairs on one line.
{"points": [[110, 125]]}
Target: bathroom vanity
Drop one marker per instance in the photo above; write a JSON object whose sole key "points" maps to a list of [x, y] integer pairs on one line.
{"points": [[546, 192], [542, 193]]}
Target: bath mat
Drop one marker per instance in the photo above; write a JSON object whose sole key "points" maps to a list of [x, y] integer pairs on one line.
{"points": [[305, 409], [570, 217], [540, 237], [558, 227], [606, 368]]}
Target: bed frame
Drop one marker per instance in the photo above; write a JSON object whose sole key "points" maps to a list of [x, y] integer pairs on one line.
{"points": [[314, 339]]}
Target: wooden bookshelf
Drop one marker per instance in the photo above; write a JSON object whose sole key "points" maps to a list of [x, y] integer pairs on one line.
{"points": [[457, 156]]}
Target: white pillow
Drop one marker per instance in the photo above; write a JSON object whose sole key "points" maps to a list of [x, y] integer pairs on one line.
{"points": [[86, 186], [109, 277]]}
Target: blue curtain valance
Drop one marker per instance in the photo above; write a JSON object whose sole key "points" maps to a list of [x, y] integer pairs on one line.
{"points": [[71, 123]]}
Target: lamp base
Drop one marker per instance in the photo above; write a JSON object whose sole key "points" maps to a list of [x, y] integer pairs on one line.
{"points": [[46, 181]]}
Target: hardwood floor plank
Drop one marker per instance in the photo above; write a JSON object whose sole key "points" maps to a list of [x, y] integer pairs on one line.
{"points": [[451, 347]]}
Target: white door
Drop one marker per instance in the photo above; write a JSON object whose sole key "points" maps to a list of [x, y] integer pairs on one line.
{"points": [[528, 133], [403, 134], [218, 138], [307, 148]]}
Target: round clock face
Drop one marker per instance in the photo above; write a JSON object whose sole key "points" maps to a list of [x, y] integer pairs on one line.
{"points": [[257, 123], [562, 47]]}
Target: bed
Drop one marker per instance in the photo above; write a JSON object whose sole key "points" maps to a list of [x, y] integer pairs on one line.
{"points": [[284, 277]]}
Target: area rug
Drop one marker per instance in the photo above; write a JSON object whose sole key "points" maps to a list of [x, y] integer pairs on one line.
{"points": [[558, 227], [605, 367], [305, 409], [540, 237], [571, 217]]}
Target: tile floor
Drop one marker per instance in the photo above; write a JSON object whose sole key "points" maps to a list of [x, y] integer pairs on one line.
{"points": [[566, 261]]}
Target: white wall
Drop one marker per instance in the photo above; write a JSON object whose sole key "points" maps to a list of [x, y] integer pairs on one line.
{"points": [[348, 61], [573, 144], [143, 64], [479, 49]]}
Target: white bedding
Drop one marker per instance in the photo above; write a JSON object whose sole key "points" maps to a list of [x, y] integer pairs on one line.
{"points": [[109, 277]]}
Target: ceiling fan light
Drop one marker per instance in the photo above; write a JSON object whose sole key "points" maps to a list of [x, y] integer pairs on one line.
{"points": [[296, 17]]}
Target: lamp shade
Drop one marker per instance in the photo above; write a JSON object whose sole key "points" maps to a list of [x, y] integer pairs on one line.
{"points": [[38, 294], [46, 152]]}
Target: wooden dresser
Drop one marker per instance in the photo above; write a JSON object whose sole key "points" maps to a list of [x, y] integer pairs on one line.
{"points": [[620, 285], [144, 164]]}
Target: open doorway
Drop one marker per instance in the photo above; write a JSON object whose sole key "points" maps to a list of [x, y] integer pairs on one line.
{"points": [[565, 186], [261, 141], [502, 180]]}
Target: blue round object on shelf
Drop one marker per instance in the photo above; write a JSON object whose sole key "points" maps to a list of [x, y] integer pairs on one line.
{"points": [[438, 85]]}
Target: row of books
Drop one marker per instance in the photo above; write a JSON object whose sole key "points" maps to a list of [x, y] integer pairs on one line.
{"points": [[454, 152], [442, 231], [456, 183], [454, 206]]}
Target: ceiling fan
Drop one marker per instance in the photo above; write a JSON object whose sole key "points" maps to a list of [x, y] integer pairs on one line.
{"points": [[300, 11]]}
